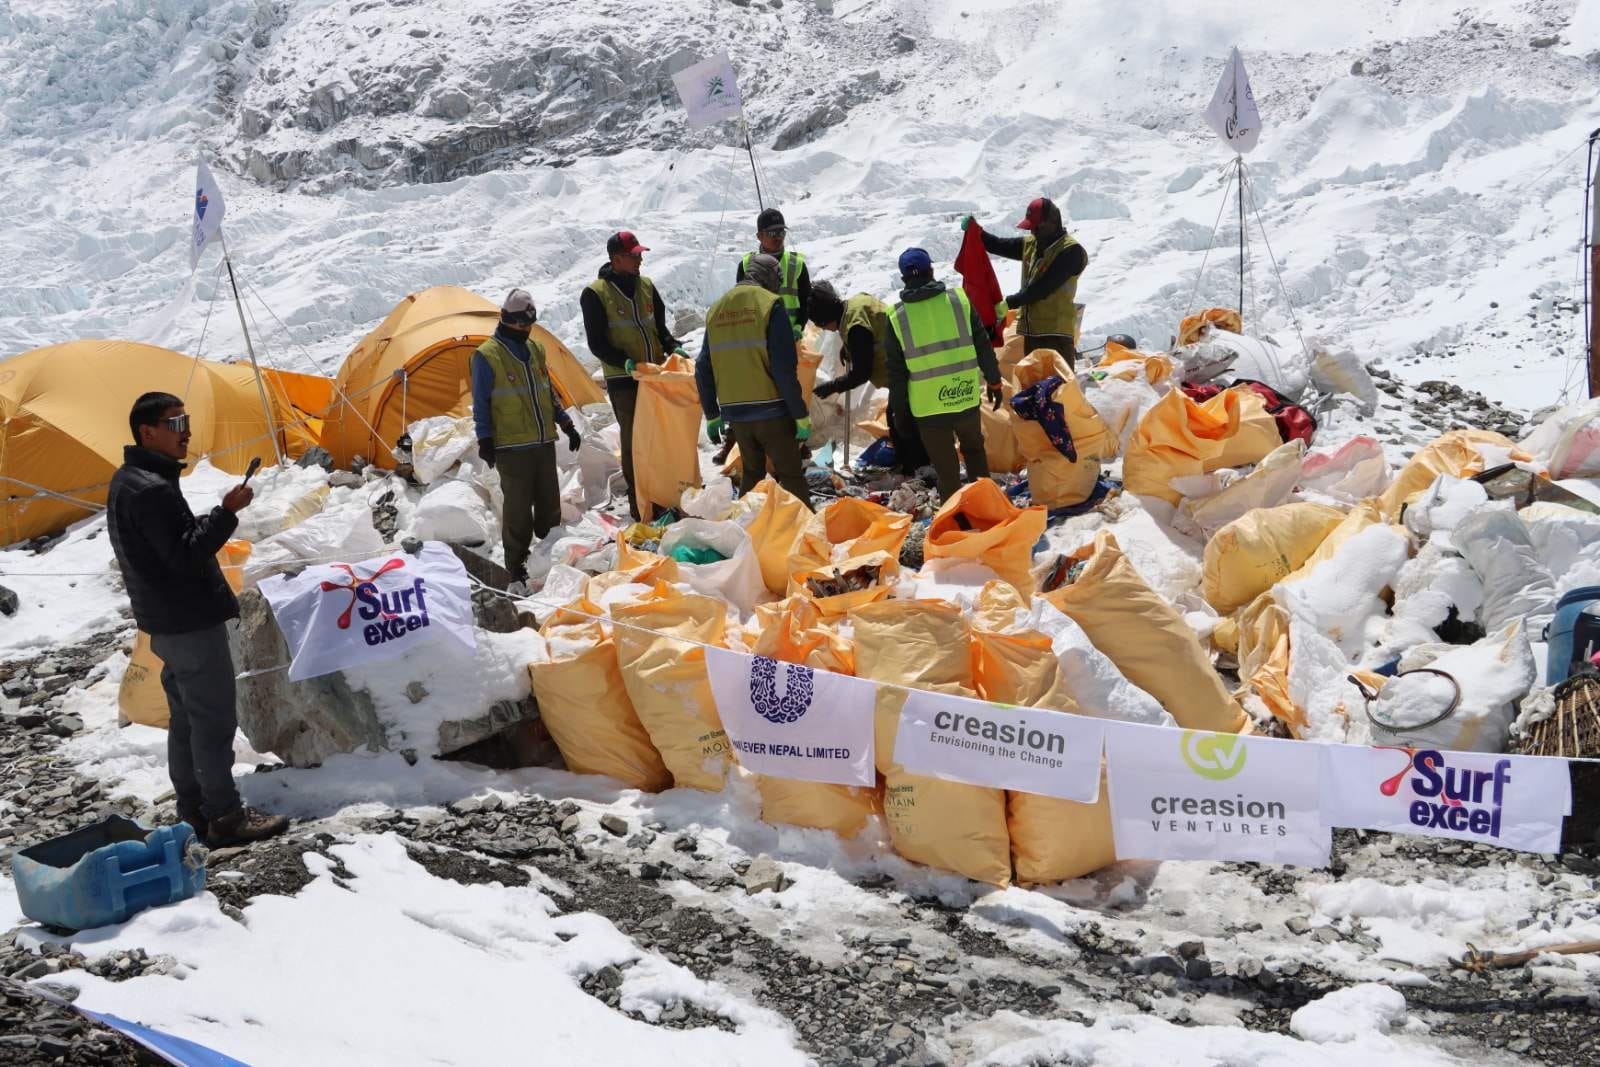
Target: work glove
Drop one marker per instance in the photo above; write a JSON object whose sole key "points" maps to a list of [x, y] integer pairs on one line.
{"points": [[967, 223], [995, 397], [572, 437], [827, 389], [1001, 309], [802, 429], [679, 351], [486, 450], [714, 430], [628, 365]]}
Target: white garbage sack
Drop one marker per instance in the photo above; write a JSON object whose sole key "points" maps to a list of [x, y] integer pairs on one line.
{"points": [[1568, 441], [1561, 535], [1442, 505], [1286, 370], [588, 545], [1342, 595], [1093, 679], [1350, 473], [712, 501], [453, 510], [1493, 674], [1343, 372], [955, 581], [1121, 403], [343, 535], [1516, 585], [598, 457], [1211, 501], [1200, 362], [285, 497], [1432, 583], [439, 443], [735, 579]]}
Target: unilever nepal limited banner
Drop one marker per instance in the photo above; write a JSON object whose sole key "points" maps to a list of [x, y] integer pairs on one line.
{"points": [[1191, 794], [1031, 750], [340, 615], [1511, 801], [791, 721]]}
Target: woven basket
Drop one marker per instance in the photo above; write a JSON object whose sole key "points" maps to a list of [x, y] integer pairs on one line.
{"points": [[1574, 730]]}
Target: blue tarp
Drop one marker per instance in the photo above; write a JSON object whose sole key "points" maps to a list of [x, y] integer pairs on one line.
{"points": [[176, 1050]]}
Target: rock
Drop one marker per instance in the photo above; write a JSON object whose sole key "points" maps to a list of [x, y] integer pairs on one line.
{"points": [[1358, 68], [65, 725], [764, 874], [1197, 970], [685, 843], [497, 614], [1520, 1045], [416, 692], [569, 825], [1297, 924], [1325, 935], [8, 601], [1156, 965], [1191, 949], [902, 43], [687, 320], [1544, 42], [316, 456], [615, 825], [890, 938], [641, 840], [650, 872], [346, 480], [16, 688]]}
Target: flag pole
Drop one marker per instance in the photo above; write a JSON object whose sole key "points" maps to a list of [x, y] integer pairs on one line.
{"points": [[1238, 163], [266, 408], [744, 128]]}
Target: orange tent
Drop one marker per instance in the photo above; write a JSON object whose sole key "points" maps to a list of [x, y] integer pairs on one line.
{"points": [[64, 422], [414, 365]]}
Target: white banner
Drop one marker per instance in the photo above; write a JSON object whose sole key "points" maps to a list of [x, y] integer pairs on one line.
{"points": [[1031, 750], [1232, 112], [340, 615], [1510, 801], [208, 209], [1189, 794], [709, 90], [791, 721]]}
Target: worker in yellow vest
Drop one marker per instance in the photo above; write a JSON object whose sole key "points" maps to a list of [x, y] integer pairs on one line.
{"points": [[794, 281], [625, 323], [1052, 261], [940, 362], [515, 413], [748, 377], [863, 322]]}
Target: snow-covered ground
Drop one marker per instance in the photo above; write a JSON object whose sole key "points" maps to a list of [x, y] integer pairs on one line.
{"points": [[1420, 181]]}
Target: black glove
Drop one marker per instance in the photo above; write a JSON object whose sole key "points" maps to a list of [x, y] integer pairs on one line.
{"points": [[486, 450], [827, 389], [995, 397], [572, 437]]}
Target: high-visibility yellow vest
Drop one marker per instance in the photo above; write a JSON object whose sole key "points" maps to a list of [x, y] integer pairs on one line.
{"points": [[790, 264], [1056, 314], [630, 323], [864, 309], [941, 358], [521, 405], [736, 338]]}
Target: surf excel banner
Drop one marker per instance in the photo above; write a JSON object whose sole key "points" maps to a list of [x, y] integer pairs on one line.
{"points": [[790, 721], [1190, 794], [340, 615], [1511, 801]]}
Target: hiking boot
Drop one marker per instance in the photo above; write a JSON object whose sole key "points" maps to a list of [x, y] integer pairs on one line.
{"points": [[196, 820], [243, 825]]}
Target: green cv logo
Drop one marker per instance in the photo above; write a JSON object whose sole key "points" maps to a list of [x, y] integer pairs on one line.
{"points": [[1214, 756], [715, 88]]}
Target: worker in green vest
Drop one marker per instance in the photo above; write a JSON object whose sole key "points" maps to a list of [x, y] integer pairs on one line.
{"points": [[625, 323], [748, 377], [515, 414], [1052, 261], [863, 322], [940, 362], [794, 281]]}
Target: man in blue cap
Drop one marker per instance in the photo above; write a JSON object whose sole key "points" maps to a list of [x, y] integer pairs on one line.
{"points": [[940, 362]]}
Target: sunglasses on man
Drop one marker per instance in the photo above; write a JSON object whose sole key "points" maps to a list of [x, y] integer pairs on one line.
{"points": [[178, 423]]}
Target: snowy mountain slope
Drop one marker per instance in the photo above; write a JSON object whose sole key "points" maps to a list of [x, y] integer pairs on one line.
{"points": [[1403, 203]]}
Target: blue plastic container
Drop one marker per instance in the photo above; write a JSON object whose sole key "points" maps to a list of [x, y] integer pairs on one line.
{"points": [[1559, 656], [108, 872]]}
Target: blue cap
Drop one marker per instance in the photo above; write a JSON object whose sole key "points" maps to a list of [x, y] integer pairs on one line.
{"points": [[915, 261]]}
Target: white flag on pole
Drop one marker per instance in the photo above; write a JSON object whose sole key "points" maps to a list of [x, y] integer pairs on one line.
{"points": [[709, 90], [208, 209], [1233, 111]]}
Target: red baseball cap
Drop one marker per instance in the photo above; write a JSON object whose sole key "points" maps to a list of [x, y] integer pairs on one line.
{"points": [[625, 242], [1038, 211]]}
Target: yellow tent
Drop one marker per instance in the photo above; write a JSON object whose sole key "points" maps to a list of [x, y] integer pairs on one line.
{"points": [[64, 422], [430, 336]]}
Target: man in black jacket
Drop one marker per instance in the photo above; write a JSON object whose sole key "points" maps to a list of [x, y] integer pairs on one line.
{"points": [[1052, 261], [169, 565], [625, 323]]}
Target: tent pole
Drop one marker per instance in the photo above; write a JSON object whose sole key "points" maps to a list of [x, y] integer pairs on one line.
{"points": [[266, 408], [1594, 272], [745, 129], [849, 419], [1238, 163]]}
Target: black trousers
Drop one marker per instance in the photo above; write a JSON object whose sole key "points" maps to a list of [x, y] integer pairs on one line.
{"points": [[197, 674], [940, 435], [763, 440], [531, 486], [624, 396]]}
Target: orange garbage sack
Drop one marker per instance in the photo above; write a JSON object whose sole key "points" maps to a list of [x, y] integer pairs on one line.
{"points": [[1260, 548], [867, 579], [1120, 361], [1146, 638], [141, 698], [1452, 454], [666, 680], [1000, 444], [846, 528], [979, 523], [583, 700], [794, 631], [806, 369], [1221, 318], [666, 431], [1054, 480], [775, 531], [1180, 437], [949, 825]]}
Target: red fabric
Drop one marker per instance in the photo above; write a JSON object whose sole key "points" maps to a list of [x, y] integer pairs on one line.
{"points": [[977, 275], [1201, 393]]}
